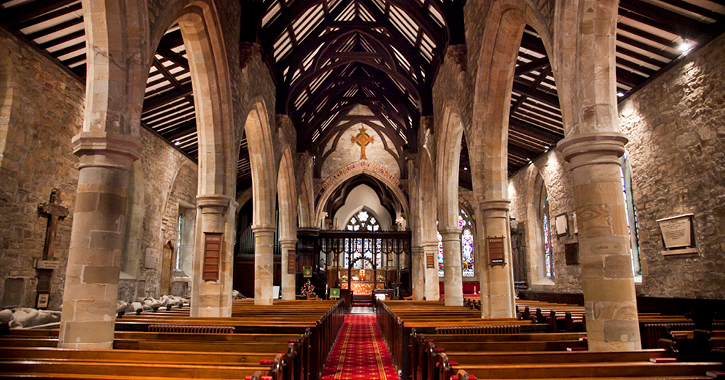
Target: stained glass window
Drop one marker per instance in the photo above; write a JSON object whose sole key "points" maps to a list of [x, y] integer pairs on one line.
{"points": [[362, 249], [546, 226], [467, 253], [631, 213]]}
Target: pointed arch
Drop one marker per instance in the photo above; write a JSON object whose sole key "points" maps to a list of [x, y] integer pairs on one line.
{"points": [[287, 196], [448, 161], [262, 162]]}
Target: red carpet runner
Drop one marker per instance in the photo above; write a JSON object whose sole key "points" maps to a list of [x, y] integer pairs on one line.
{"points": [[360, 352]]}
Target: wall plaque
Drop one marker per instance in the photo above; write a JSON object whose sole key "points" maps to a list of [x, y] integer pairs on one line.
{"points": [[677, 234], [212, 255], [496, 251], [429, 261], [571, 251], [562, 225]]}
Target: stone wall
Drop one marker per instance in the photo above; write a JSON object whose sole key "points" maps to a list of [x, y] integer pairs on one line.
{"points": [[676, 126], [41, 110], [168, 177], [347, 152], [36, 156], [525, 192]]}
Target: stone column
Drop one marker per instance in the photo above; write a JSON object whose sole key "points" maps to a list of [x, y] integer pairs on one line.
{"points": [[432, 289], [99, 224], [288, 279], [263, 263], [452, 273], [607, 281], [212, 298], [498, 296], [418, 272]]}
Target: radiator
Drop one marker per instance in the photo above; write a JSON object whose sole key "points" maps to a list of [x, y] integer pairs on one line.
{"points": [[494, 329], [191, 329]]}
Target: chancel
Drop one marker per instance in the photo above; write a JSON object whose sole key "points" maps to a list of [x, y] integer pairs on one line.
{"points": [[398, 189]]}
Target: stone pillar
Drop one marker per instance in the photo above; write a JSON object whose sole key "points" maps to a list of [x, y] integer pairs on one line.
{"points": [[263, 263], [432, 289], [607, 281], [289, 285], [418, 272], [498, 296], [212, 298], [452, 272], [99, 224]]}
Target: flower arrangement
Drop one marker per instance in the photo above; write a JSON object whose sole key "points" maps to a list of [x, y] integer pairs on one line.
{"points": [[343, 277], [308, 289], [381, 277]]}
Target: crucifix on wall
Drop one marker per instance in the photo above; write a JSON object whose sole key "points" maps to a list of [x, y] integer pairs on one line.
{"points": [[362, 139], [54, 212]]}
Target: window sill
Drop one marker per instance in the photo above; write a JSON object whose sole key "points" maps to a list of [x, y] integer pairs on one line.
{"points": [[125, 276], [546, 281], [638, 279]]}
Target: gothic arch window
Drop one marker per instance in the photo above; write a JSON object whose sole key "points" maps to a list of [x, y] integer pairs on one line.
{"points": [[546, 233], [363, 250], [632, 228], [363, 220], [467, 252]]}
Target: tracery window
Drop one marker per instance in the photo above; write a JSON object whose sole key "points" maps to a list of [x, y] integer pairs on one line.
{"points": [[467, 252], [363, 250]]}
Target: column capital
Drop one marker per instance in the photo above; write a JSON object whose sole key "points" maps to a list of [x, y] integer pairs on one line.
{"points": [[430, 245], [288, 243], [212, 203], [264, 229], [450, 233], [593, 148], [103, 149], [495, 208], [416, 249]]}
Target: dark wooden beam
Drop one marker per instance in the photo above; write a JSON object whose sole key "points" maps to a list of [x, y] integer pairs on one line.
{"points": [[532, 66], [26, 11], [539, 95], [523, 95], [538, 133], [47, 17], [661, 18], [181, 130], [161, 99], [173, 57], [55, 28]]}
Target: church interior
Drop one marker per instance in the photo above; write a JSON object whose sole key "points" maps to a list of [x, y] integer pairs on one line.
{"points": [[362, 189]]}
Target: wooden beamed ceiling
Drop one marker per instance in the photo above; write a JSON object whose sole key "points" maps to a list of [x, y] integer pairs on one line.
{"points": [[328, 56]]}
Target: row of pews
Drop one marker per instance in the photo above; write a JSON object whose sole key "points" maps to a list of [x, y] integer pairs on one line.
{"points": [[289, 340], [430, 341]]}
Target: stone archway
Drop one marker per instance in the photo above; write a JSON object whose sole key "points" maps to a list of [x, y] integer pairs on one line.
{"points": [[208, 63], [427, 226], [287, 201], [447, 162], [488, 143], [264, 191]]}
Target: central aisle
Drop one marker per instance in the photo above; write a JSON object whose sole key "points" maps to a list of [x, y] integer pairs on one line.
{"points": [[360, 352]]}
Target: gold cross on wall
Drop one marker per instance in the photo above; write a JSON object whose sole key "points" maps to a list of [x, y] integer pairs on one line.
{"points": [[362, 139]]}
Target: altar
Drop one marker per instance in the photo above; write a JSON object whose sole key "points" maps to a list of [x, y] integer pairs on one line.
{"points": [[363, 287]]}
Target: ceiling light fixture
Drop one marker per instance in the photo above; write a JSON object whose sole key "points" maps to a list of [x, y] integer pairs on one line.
{"points": [[620, 94], [176, 143], [686, 46]]}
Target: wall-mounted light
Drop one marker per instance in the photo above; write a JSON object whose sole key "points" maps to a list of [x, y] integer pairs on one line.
{"points": [[620, 94], [176, 143]]}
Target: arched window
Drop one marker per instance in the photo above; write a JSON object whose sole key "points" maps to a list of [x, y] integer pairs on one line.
{"points": [[546, 230], [363, 221], [466, 244], [467, 254], [363, 249], [626, 175]]}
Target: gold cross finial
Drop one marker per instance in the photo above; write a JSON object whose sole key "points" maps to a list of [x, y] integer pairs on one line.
{"points": [[362, 139]]}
